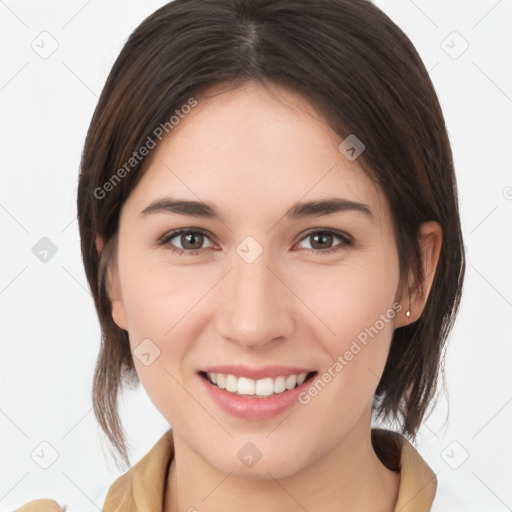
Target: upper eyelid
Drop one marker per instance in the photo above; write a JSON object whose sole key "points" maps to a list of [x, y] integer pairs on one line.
{"points": [[336, 232]]}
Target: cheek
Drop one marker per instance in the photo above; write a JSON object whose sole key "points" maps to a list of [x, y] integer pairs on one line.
{"points": [[157, 298], [357, 306], [352, 299], [159, 339], [361, 314], [162, 306]]}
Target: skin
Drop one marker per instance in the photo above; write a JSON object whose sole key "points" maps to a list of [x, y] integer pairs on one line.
{"points": [[252, 153]]}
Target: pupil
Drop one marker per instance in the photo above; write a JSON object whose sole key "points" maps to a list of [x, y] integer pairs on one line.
{"points": [[191, 236], [316, 237]]}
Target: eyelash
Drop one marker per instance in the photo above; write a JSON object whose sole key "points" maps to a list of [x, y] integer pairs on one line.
{"points": [[346, 241]]}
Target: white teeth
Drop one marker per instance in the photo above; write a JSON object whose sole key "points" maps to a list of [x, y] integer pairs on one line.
{"points": [[264, 387], [221, 380], [291, 381], [279, 384], [246, 386], [231, 384], [261, 388]]}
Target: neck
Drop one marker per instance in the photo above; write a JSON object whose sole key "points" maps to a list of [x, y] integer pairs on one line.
{"points": [[349, 478]]}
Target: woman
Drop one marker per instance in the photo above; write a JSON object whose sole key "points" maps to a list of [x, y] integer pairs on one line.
{"points": [[269, 226]]}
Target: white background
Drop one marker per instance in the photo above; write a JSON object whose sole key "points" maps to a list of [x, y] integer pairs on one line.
{"points": [[49, 329]]}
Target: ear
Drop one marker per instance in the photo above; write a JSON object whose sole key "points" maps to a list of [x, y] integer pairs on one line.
{"points": [[113, 287], [430, 240]]}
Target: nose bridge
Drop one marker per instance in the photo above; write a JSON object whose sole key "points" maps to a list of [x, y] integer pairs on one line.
{"points": [[255, 308]]}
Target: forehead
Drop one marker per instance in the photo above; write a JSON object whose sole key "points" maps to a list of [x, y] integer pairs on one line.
{"points": [[251, 147]]}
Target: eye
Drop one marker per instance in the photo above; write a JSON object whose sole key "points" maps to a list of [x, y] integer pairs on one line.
{"points": [[190, 241], [322, 241]]}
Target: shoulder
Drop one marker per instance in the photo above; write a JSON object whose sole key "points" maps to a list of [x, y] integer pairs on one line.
{"points": [[45, 505]]}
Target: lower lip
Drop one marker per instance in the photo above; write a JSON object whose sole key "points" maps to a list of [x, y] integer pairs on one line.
{"points": [[252, 408]]}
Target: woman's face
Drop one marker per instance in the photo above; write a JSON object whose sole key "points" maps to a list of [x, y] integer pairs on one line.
{"points": [[266, 287]]}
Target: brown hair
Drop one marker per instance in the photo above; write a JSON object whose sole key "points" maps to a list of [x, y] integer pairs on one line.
{"points": [[364, 76]]}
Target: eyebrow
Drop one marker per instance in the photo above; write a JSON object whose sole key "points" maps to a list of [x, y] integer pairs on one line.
{"points": [[296, 211]]}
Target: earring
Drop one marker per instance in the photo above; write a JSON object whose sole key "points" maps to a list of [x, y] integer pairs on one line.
{"points": [[408, 314]]}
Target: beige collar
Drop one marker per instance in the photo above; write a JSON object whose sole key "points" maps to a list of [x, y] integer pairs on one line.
{"points": [[418, 482]]}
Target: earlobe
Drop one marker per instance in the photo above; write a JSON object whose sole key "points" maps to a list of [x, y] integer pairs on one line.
{"points": [[430, 241], [99, 243], [113, 288], [118, 311], [118, 315]]}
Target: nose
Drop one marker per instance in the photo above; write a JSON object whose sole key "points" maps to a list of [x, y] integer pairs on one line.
{"points": [[256, 306]]}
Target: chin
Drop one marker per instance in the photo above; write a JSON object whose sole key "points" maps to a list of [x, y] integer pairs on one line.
{"points": [[278, 465]]}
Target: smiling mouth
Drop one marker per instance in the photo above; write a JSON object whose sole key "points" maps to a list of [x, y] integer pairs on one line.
{"points": [[261, 388]]}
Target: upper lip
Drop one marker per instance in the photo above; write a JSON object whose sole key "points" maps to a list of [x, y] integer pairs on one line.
{"points": [[241, 370]]}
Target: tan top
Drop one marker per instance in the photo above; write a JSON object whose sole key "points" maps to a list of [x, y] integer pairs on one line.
{"points": [[142, 487]]}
